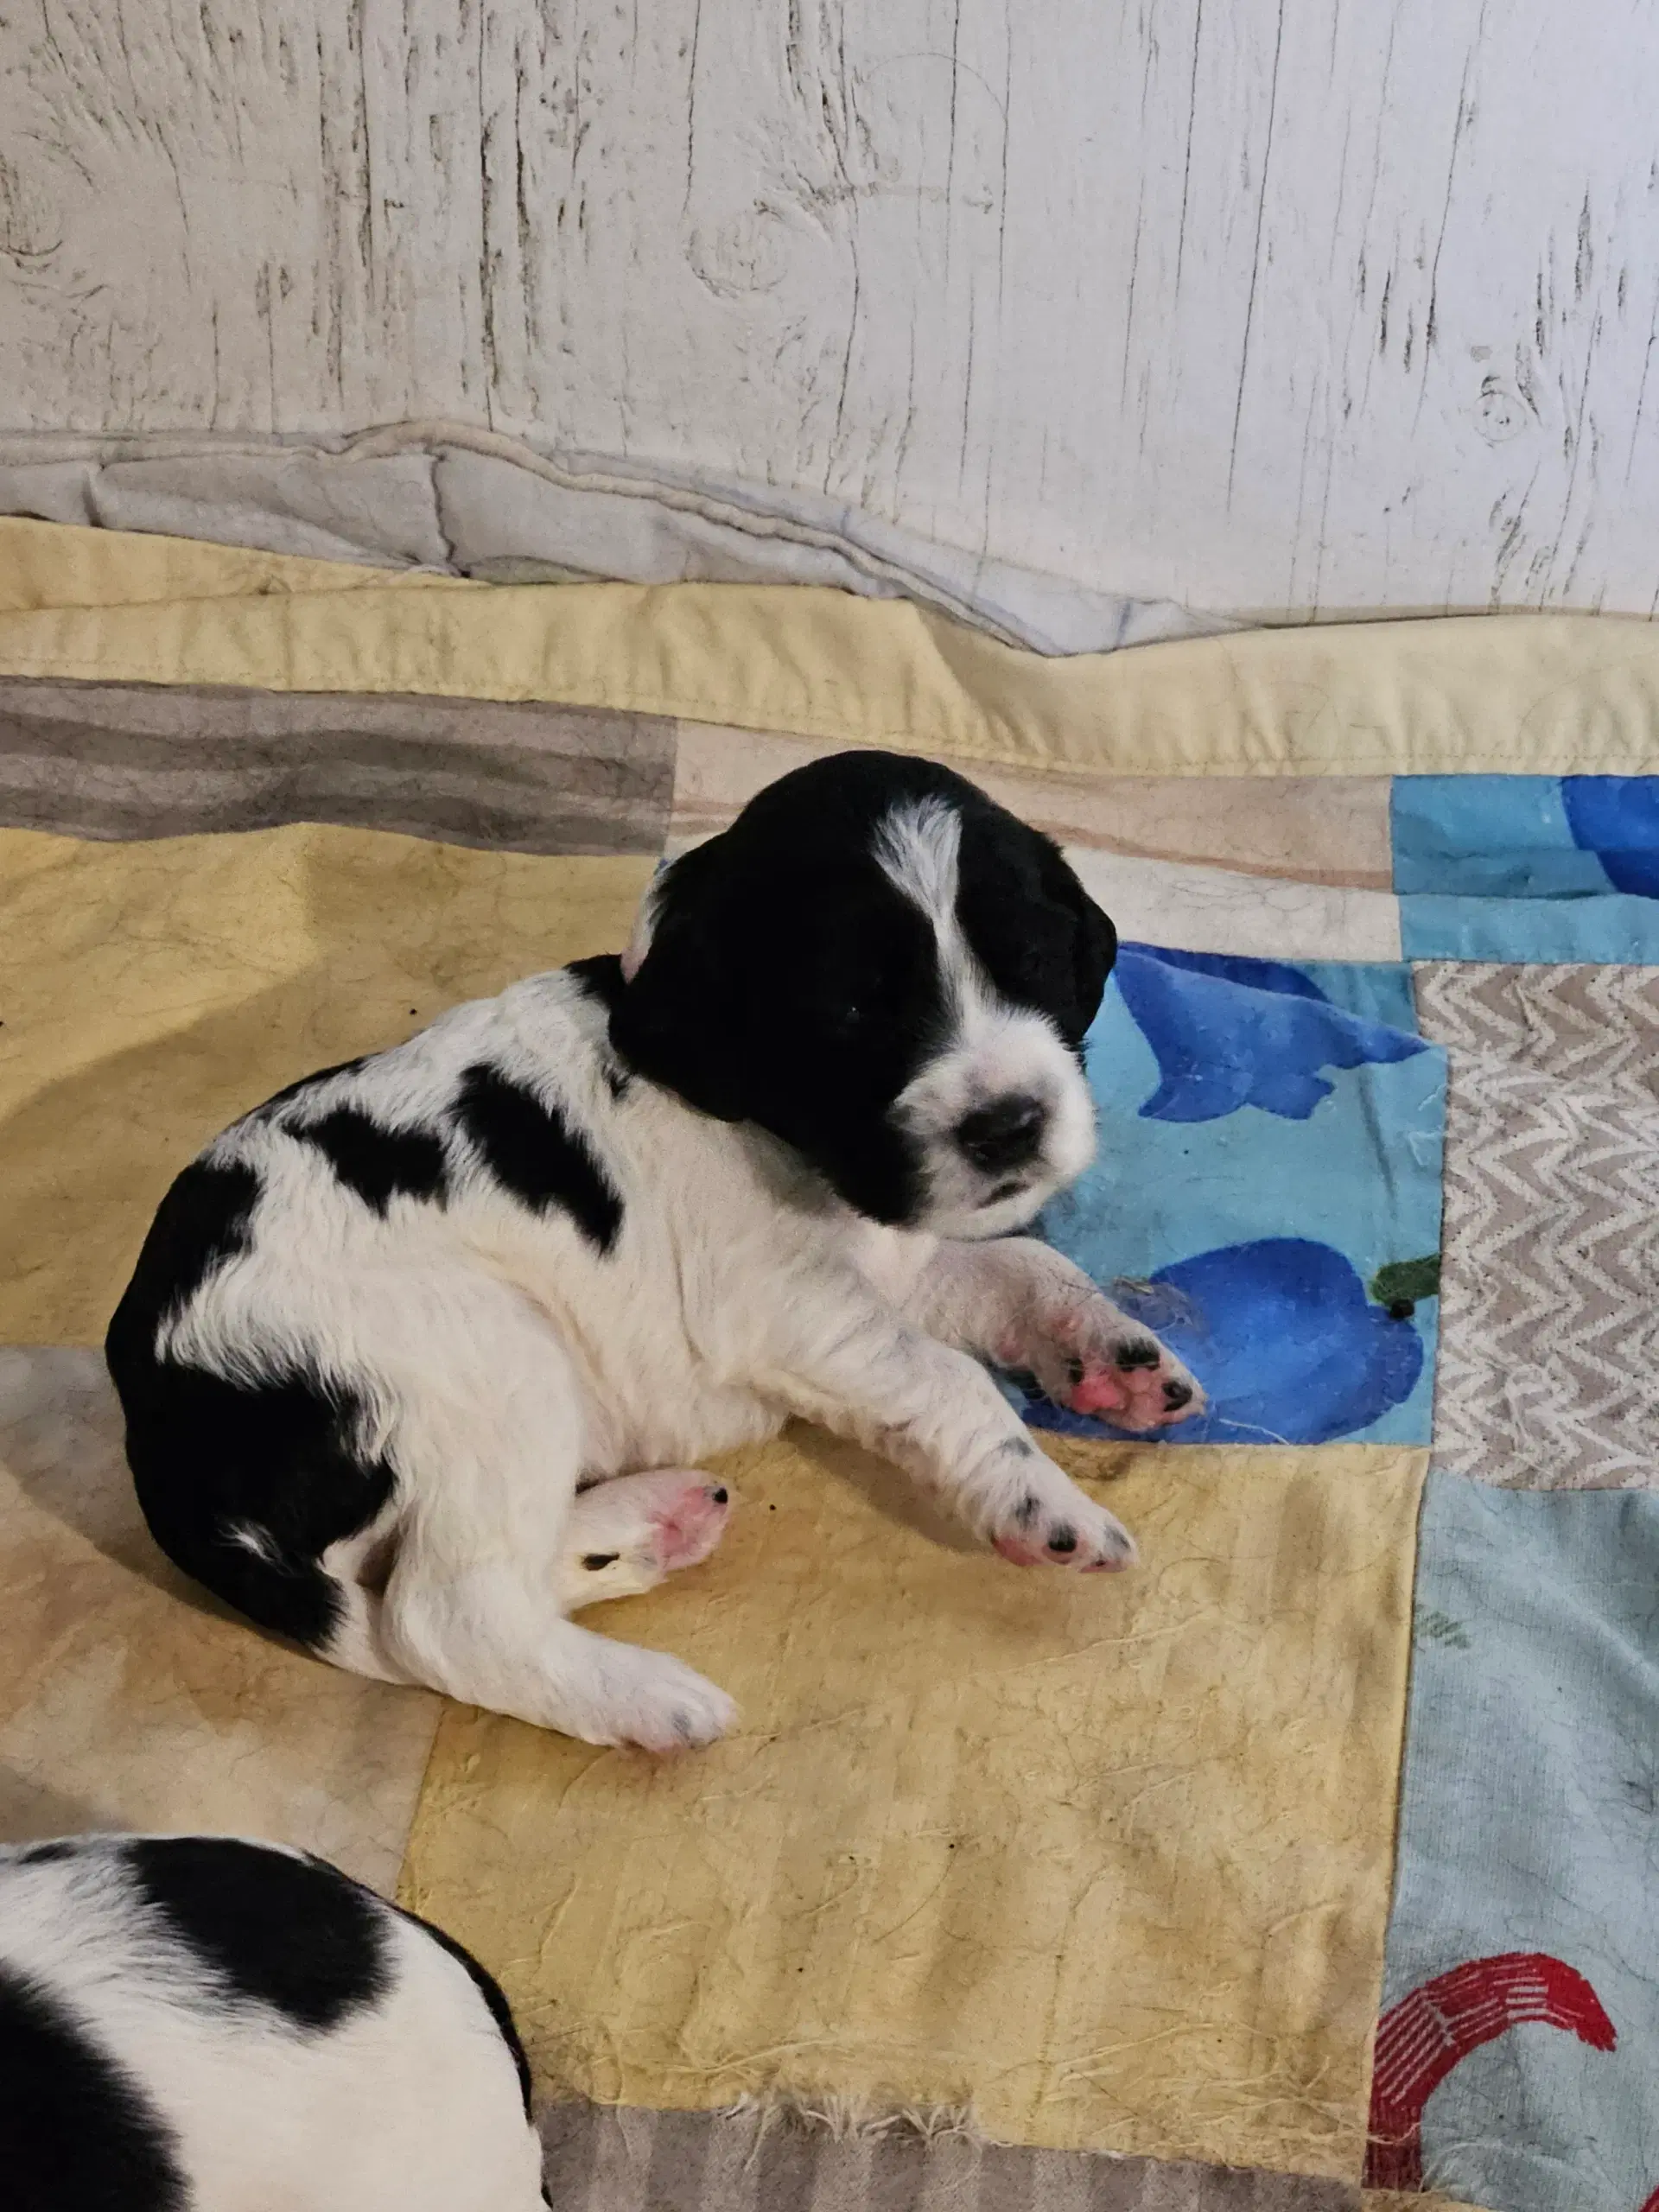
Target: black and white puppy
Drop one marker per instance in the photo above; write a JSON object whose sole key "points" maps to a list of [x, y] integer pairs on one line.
{"points": [[194, 2024], [418, 1355]]}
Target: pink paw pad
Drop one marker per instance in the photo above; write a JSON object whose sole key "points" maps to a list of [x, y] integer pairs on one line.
{"points": [[690, 1523], [1137, 1392], [1102, 1392]]}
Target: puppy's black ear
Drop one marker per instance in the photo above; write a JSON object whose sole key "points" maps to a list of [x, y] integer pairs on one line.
{"points": [[1094, 941], [1097, 953], [680, 1020]]}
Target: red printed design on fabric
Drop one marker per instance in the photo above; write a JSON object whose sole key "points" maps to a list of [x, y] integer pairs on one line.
{"points": [[1421, 2038]]}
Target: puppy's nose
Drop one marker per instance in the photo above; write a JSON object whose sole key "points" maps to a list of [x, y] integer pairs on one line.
{"points": [[1006, 1134]]}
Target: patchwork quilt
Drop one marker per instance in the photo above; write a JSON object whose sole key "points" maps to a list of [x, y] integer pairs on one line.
{"points": [[1317, 1858]]}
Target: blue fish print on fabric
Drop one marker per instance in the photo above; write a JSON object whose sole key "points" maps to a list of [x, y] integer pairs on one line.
{"points": [[1616, 818], [1236, 968], [1284, 1337], [1220, 1047]]}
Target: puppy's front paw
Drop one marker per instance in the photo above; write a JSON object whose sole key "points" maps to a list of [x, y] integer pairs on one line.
{"points": [[1097, 1360], [1055, 1525], [1140, 1385]]}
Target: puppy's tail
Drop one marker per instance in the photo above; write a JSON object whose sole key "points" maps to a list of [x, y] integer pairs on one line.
{"points": [[338, 1597], [331, 1605], [357, 1571]]}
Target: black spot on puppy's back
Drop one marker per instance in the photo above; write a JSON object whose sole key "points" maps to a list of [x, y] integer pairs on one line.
{"points": [[377, 1163], [77, 2132], [244, 1483], [536, 1153], [286, 1933], [201, 1223]]}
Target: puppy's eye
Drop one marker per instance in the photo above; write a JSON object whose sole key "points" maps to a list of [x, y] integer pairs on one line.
{"points": [[594, 1560], [848, 1015]]}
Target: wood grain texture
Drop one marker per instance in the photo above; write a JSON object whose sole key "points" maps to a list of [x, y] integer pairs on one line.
{"points": [[1270, 306]]}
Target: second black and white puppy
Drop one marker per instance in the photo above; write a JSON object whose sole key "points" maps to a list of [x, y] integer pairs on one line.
{"points": [[418, 1356], [199, 2023]]}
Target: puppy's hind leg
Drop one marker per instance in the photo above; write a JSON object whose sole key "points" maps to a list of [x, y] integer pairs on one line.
{"points": [[484, 1431], [626, 1534]]}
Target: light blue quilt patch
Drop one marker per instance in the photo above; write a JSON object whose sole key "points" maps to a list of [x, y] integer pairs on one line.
{"points": [[1527, 868], [1267, 1194], [1517, 2061], [1624, 931], [1375, 991]]}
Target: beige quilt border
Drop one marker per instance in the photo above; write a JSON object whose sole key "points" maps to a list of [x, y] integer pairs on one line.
{"points": [[1538, 693]]}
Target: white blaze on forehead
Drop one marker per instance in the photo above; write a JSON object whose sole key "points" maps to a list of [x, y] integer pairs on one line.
{"points": [[995, 1049], [918, 847]]}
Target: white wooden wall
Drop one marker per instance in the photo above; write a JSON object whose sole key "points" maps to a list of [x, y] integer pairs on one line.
{"points": [[1257, 303]]}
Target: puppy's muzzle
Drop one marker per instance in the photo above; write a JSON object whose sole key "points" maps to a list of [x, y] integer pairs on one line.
{"points": [[1005, 1136]]}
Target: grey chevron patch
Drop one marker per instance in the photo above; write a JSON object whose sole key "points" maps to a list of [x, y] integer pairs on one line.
{"points": [[1549, 1374]]}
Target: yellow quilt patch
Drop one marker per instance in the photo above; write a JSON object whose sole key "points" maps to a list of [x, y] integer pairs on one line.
{"points": [[151, 993], [1107, 1859]]}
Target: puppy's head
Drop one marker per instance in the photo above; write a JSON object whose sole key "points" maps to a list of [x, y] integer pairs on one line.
{"points": [[893, 975]]}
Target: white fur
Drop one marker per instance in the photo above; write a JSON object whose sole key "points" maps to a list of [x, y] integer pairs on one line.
{"points": [[411, 2105], [502, 1361]]}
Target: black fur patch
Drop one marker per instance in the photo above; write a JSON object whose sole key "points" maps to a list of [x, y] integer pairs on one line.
{"points": [[377, 1163], [45, 1854], [209, 1455], [77, 2132], [1033, 929], [201, 1223], [288, 1933], [491, 1990], [538, 1155], [600, 978]]}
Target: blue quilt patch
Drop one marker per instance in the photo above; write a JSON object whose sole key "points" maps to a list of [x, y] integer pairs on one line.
{"points": [[1230, 1033], [1527, 868], [1267, 1194], [1517, 2061]]}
